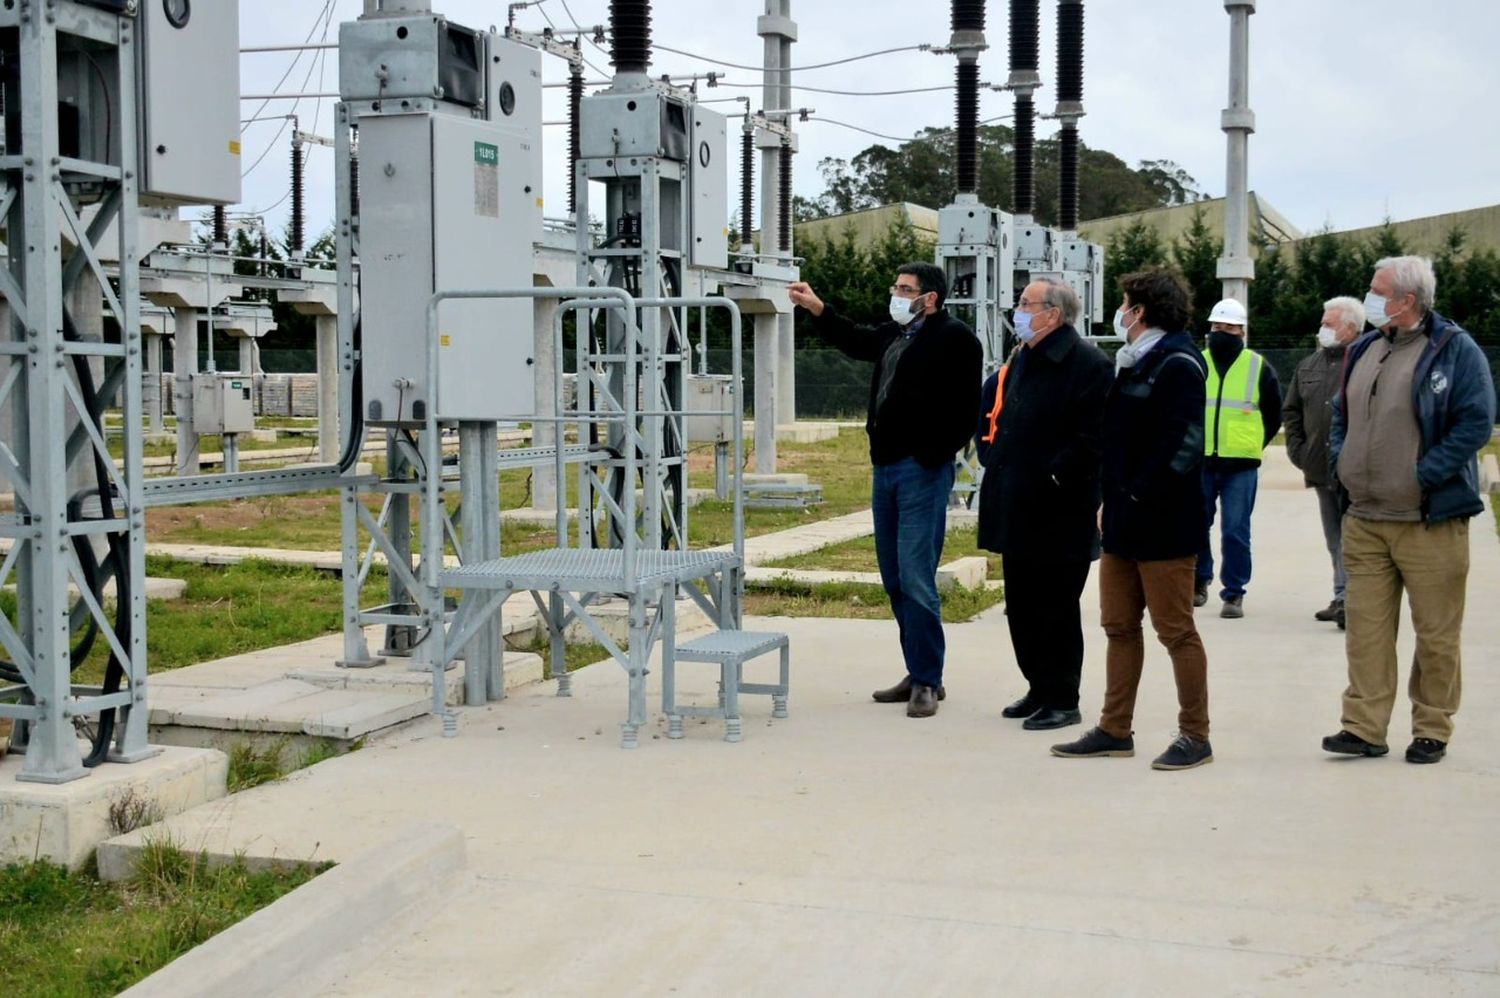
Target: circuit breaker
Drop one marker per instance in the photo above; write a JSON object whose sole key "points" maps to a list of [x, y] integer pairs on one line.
{"points": [[223, 403], [190, 101], [447, 205]]}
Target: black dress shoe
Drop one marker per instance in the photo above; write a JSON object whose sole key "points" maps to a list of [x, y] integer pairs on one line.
{"points": [[1050, 717], [901, 693], [923, 702], [1024, 707]]}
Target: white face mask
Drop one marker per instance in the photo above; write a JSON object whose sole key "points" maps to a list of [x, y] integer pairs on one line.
{"points": [[1375, 310], [1328, 338], [904, 310], [1121, 329]]}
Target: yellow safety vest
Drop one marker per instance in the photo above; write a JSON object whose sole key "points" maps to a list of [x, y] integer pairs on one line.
{"points": [[1232, 426]]}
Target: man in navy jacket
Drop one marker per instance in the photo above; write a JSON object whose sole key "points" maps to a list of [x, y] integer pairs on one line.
{"points": [[1416, 402]]}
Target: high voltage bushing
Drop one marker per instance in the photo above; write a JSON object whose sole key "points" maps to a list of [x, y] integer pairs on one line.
{"points": [[784, 197], [1067, 199], [968, 15], [354, 184], [1025, 196], [575, 102], [1024, 33], [630, 35], [294, 238], [1069, 53], [968, 126], [221, 226], [747, 179]]}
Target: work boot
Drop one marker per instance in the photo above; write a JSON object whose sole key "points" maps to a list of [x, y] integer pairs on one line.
{"points": [[1234, 608], [923, 702], [1200, 593], [901, 693], [1334, 611], [1348, 743], [1426, 750]]}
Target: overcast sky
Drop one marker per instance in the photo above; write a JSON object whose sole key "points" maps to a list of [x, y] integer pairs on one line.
{"points": [[1365, 108]]}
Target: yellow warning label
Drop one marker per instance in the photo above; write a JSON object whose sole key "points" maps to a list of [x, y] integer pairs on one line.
{"points": [[445, 340], [234, 147], [538, 202]]}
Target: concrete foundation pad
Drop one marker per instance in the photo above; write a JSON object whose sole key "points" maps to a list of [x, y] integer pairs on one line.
{"points": [[969, 572], [374, 895], [788, 478], [65, 822]]}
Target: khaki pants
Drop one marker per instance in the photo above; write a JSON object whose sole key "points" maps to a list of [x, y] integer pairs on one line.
{"points": [[1127, 589], [1432, 564]]}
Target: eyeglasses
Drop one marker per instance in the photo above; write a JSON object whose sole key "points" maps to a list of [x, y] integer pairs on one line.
{"points": [[905, 292], [1031, 305]]}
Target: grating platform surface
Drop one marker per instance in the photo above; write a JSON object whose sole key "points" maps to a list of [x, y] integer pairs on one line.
{"points": [[725, 645], [588, 570]]}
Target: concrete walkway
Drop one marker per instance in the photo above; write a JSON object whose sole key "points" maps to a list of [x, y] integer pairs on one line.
{"points": [[848, 850]]}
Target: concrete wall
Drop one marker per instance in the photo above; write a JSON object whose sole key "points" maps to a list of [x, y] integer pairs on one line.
{"points": [[871, 224]]}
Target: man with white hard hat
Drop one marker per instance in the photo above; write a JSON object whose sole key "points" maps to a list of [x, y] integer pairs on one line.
{"points": [[1242, 415]]}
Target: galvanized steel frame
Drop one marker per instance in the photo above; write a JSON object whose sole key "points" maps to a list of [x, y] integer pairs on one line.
{"points": [[34, 196]]}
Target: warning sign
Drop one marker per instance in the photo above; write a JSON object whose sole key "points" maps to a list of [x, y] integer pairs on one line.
{"points": [[486, 180]]}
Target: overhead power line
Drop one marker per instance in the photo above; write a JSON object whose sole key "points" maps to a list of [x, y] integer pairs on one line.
{"points": [[796, 69]]}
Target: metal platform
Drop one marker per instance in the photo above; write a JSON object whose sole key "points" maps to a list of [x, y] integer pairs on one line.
{"points": [[589, 570]]}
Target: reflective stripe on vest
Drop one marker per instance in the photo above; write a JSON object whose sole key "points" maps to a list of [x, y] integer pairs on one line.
{"points": [[989, 437], [1231, 418]]}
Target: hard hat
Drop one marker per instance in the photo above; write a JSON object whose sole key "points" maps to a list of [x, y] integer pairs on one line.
{"points": [[1229, 311]]}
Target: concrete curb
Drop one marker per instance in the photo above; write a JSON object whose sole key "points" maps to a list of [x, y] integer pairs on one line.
{"points": [[299, 936]]}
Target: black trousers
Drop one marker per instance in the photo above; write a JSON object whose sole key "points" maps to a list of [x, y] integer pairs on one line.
{"points": [[1041, 606]]}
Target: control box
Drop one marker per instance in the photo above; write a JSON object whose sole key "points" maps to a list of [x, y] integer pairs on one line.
{"points": [[634, 123], [190, 102], [1083, 270], [983, 234], [1036, 253], [223, 403], [710, 394], [708, 182], [423, 56], [446, 206], [514, 103]]}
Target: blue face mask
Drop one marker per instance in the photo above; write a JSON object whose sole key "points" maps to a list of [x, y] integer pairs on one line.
{"points": [[1022, 322]]}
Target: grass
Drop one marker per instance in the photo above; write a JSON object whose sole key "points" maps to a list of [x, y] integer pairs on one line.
{"points": [[784, 598], [229, 610], [575, 656], [66, 934], [254, 763], [859, 555]]}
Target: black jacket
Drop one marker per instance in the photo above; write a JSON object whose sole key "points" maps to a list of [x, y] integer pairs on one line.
{"points": [[1308, 414], [1153, 454], [1040, 492], [929, 411]]}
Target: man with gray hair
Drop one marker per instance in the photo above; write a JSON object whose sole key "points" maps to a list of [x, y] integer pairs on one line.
{"points": [[1041, 421], [1416, 402], [1307, 416]]}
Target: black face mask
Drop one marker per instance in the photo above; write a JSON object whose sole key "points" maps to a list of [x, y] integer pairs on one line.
{"points": [[1221, 342]]}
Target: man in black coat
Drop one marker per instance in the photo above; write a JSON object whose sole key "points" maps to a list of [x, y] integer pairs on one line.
{"points": [[1153, 518], [923, 396], [1039, 500]]}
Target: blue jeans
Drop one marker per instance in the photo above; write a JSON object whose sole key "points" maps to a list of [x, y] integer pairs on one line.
{"points": [[1234, 492], [911, 517]]}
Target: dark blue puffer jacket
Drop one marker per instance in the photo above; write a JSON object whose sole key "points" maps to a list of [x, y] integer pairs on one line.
{"points": [[1454, 398]]}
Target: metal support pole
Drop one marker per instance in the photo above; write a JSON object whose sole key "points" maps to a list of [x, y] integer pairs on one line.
{"points": [[479, 483], [327, 332], [231, 450], [544, 433], [184, 366], [767, 333], [1236, 267], [151, 388]]}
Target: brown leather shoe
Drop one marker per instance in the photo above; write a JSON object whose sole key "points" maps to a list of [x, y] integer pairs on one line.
{"points": [[901, 692], [923, 702]]}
